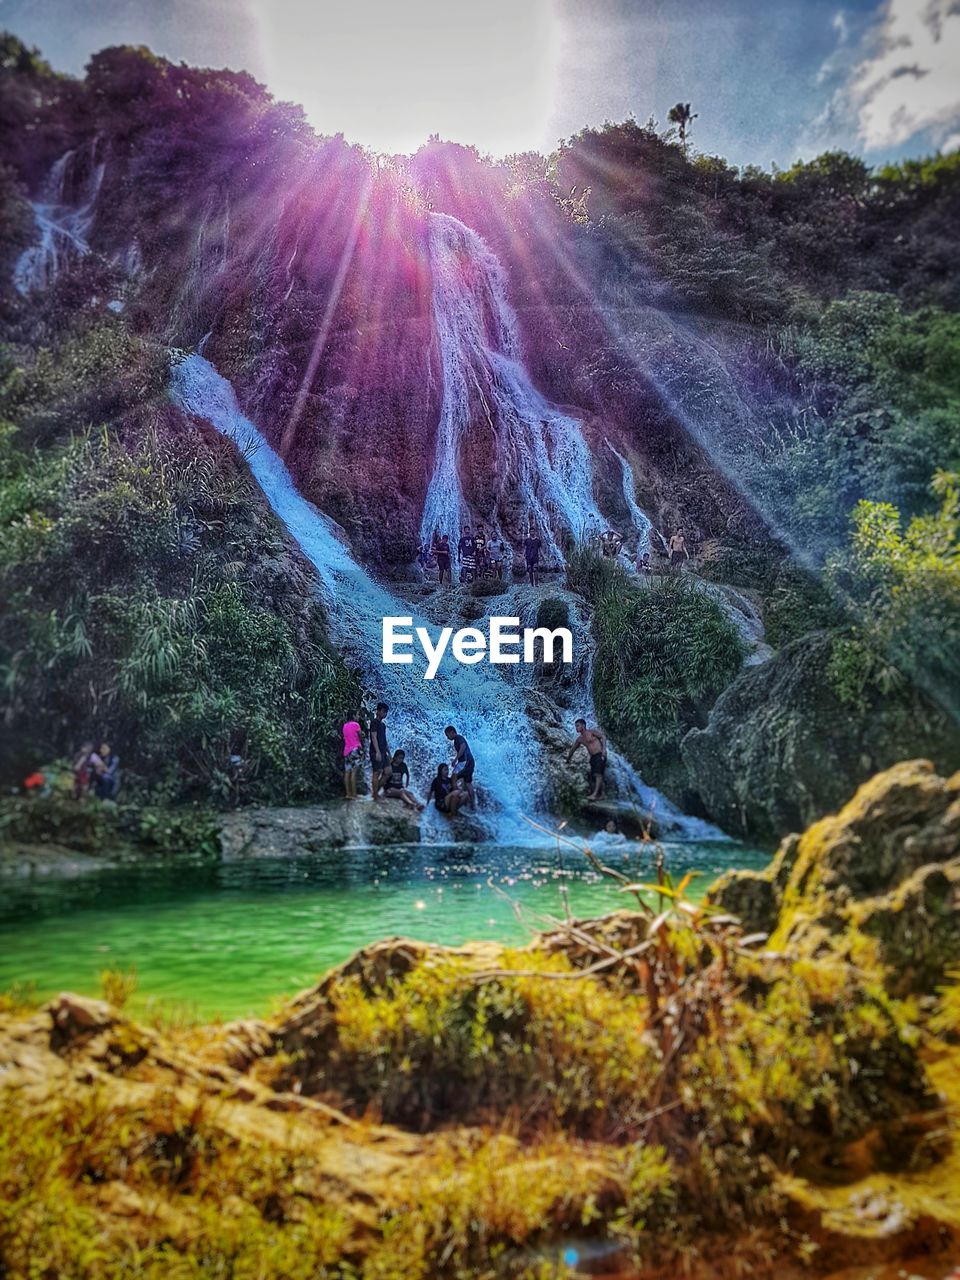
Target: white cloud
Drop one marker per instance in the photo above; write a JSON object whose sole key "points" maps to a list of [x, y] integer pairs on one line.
{"points": [[907, 81]]}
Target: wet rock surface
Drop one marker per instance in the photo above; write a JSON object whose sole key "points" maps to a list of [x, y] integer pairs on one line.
{"points": [[780, 749], [280, 833]]}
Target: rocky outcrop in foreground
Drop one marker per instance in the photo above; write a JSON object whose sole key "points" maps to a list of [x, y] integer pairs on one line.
{"points": [[881, 879], [645, 1094]]}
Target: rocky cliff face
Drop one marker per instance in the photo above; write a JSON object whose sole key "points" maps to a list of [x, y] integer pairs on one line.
{"points": [[781, 748]]}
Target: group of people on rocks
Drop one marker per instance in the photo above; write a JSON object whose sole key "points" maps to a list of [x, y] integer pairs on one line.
{"points": [[449, 790], [451, 787], [96, 771], [481, 555]]}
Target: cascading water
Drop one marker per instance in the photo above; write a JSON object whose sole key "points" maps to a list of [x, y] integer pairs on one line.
{"points": [[63, 225], [641, 522], [486, 708], [540, 449]]}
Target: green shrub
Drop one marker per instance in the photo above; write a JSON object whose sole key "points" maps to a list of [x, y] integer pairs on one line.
{"points": [[436, 1044], [665, 651]]}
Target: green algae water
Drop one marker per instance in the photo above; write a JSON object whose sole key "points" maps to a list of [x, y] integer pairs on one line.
{"points": [[225, 939]]}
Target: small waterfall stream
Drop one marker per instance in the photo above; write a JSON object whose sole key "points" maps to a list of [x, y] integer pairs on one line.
{"points": [[540, 449], [63, 223], [640, 521]]}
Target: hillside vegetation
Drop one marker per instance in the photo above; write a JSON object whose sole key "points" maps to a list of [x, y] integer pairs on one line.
{"points": [[777, 352]]}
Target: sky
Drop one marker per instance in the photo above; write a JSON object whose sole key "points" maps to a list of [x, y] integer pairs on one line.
{"points": [[771, 81]]}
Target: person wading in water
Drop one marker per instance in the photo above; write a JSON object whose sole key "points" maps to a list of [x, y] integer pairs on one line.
{"points": [[596, 745]]}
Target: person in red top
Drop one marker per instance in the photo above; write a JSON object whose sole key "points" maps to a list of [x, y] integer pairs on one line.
{"points": [[352, 757]]}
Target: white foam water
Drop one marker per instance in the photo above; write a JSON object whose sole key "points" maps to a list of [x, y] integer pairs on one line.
{"points": [[538, 448], [63, 225]]}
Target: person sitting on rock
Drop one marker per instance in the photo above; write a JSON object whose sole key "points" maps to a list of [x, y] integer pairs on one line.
{"points": [[82, 772], [445, 796], [106, 772], [596, 745], [397, 782]]}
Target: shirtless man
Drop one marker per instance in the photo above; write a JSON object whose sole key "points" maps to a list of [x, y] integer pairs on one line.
{"points": [[678, 550], [596, 745]]}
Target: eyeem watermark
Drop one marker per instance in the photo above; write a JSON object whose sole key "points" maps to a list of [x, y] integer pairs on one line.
{"points": [[502, 644]]}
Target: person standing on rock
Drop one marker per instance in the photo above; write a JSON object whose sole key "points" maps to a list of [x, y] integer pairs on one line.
{"points": [[596, 745], [532, 546], [497, 553], [441, 551], [678, 550], [467, 553], [463, 763], [352, 756], [379, 754]]}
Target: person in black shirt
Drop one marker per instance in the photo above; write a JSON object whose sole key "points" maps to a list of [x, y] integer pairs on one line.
{"points": [[397, 778], [441, 550], [379, 755], [531, 553], [480, 545], [467, 552], [463, 763], [446, 798]]}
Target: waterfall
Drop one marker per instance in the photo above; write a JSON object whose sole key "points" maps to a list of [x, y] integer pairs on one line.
{"points": [[485, 707], [539, 448], [638, 518], [63, 224], [488, 707]]}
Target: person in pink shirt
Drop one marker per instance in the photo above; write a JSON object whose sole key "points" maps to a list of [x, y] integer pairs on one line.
{"points": [[352, 757]]}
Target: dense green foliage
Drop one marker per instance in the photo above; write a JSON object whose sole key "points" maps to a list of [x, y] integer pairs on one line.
{"points": [[816, 306], [902, 579], [151, 598], [94, 827], [664, 653]]}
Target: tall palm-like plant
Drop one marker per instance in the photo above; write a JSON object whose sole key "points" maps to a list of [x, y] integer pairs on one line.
{"points": [[682, 117]]}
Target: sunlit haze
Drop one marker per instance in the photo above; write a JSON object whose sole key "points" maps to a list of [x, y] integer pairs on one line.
{"points": [[770, 83], [390, 74]]}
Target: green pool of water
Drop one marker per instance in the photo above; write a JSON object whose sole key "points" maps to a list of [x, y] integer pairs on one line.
{"points": [[228, 939]]}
